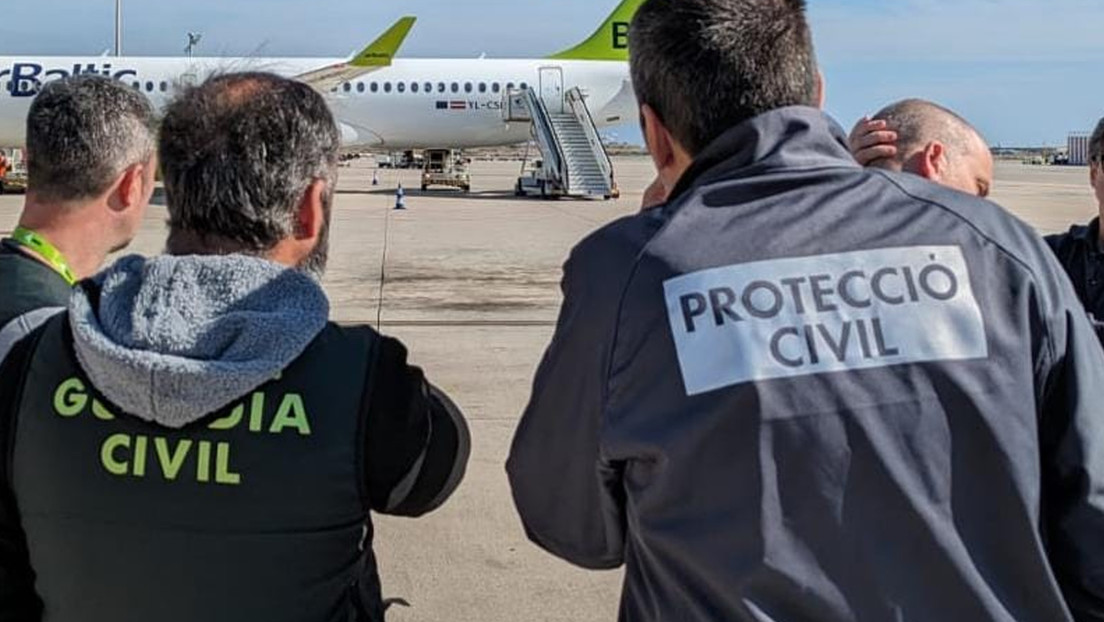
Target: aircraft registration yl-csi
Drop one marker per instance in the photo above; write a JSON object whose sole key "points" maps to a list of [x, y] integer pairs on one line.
{"points": [[379, 101]]}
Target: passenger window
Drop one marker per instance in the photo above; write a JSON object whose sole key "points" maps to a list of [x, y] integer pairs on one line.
{"points": [[509, 86], [386, 87], [401, 86], [414, 86], [428, 87], [137, 86], [467, 87], [524, 86], [346, 87], [496, 87], [482, 87], [360, 87], [149, 87], [375, 87], [164, 87], [440, 87], [455, 87]]}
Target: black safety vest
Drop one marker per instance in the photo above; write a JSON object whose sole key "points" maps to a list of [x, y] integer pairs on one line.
{"points": [[257, 512]]}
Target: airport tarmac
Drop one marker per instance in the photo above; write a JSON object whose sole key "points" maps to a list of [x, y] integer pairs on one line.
{"points": [[471, 284]]}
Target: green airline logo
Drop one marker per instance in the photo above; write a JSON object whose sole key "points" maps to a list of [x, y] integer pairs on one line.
{"points": [[611, 41], [620, 32], [204, 461]]}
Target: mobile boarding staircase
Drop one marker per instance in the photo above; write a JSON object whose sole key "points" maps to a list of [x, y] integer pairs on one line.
{"points": [[574, 162]]}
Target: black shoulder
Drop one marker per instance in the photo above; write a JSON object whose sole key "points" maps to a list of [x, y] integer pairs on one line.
{"points": [[1065, 244], [614, 248]]}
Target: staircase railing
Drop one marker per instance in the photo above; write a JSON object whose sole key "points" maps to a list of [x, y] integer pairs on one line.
{"points": [[548, 140], [577, 102]]}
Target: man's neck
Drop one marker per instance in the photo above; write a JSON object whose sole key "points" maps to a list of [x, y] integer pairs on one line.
{"points": [[68, 229]]}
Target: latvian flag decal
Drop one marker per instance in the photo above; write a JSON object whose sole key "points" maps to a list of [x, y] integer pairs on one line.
{"points": [[452, 105]]}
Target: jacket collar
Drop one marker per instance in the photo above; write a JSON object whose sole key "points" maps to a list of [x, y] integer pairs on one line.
{"points": [[792, 138], [1089, 234]]}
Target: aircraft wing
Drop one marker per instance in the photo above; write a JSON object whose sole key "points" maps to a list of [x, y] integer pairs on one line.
{"points": [[377, 55]]}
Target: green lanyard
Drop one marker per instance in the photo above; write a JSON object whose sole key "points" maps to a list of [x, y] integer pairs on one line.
{"points": [[29, 239]]}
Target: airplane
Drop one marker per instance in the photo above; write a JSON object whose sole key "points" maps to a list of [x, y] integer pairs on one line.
{"points": [[379, 101]]}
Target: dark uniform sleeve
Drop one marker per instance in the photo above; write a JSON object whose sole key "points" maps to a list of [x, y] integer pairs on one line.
{"points": [[570, 499], [1072, 442], [18, 601], [417, 440]]}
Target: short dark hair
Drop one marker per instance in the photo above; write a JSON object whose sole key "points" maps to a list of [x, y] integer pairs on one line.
{"points": [[238, 153], [1096, 144], [82, 133], [918, 122], [706, 66]]}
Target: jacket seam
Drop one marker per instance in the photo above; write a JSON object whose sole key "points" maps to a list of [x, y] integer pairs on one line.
{"points": [[1050, 346], [362, 421]]}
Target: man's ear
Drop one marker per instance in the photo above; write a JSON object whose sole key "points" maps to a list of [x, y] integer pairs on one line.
{"points": [[1095, 170], [311, 216], [130, 188], [659, 142], [933, 161]]}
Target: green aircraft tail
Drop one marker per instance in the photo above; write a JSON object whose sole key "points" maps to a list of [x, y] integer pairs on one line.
{"points": [[610, 41]]}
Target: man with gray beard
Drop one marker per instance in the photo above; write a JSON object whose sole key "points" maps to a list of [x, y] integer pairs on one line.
{"points": [[193, 439]]}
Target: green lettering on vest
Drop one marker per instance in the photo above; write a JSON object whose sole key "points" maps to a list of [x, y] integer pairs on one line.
{"points": [[256, 412], [230, 421], [171, 463], [223, 474], [107, 454], [70, 398], [101, 412], [139, 467], [203, 462], [292, 414]]}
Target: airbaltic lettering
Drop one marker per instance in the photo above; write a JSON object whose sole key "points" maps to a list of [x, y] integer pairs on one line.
{"points": [[124, 455], [794, 317], [24, 79], [621, 35]]}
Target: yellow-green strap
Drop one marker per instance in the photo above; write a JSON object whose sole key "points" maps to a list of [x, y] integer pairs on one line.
{"points": [[29, 239]]}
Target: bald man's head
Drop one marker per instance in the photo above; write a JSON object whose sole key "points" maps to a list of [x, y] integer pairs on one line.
{"points": [[938, 144]]}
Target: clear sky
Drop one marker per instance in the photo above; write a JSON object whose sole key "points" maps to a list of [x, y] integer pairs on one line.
{"points": [[1025, 71]]}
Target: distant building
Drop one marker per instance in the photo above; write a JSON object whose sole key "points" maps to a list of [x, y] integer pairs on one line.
{"points": [[1079, 148]]}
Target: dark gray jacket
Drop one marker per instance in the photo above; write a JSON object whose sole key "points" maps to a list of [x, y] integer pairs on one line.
{"points": [[807, 391]]}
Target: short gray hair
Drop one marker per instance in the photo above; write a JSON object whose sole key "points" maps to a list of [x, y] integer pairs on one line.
{"points": [[82, 133], [238, 153], [919, 122], [1096, 144]]}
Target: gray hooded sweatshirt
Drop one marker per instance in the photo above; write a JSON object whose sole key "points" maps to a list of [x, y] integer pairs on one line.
{"points": [[178, 338]]}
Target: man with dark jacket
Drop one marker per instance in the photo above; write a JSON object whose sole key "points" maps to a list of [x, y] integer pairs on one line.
{"points": [[91, 164], [193, 440], [891, 139], [804, 390], [1081, 249]]}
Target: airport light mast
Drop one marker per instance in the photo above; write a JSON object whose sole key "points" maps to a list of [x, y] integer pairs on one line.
{"points": [[193, 40], [118, 27]]}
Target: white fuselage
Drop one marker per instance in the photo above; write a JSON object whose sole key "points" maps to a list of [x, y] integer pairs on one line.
{"points": [[388, 108]]}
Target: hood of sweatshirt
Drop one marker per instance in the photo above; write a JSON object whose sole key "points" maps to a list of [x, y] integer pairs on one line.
{"points": [[173, 339]]}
